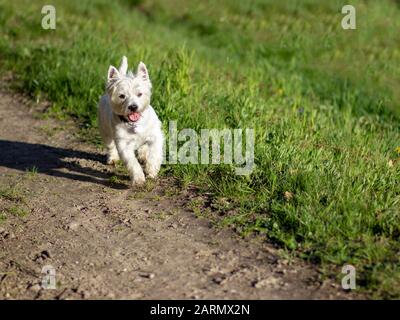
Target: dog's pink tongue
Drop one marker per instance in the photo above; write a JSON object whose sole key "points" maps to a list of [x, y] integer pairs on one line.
{"points": [[134, 116]]}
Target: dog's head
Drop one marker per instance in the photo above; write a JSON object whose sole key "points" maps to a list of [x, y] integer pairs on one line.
{"points": [[129, 93]]}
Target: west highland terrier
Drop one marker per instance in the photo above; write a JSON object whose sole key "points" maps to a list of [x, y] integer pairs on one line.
{"points": [[129, 126]]}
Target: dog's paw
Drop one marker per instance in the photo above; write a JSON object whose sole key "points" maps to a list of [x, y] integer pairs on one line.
{"points": [[112, 159], [138, 180], [152, 174], [152, 171]]}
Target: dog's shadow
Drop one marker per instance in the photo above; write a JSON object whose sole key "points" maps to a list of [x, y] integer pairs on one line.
{"points": [[52, 160]]}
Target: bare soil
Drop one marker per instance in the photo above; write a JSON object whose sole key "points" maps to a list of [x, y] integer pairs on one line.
{"points": [[107, 241]]}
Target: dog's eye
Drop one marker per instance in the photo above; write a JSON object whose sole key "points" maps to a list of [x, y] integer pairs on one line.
{"points": [[139, 94], [122, 96]]}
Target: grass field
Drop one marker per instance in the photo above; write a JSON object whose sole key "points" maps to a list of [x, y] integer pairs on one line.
{"points": [[324, 103]]}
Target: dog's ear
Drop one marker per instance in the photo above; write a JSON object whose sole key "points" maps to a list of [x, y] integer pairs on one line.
{"points": [[123, 68], [142, 72], [113, 73]]}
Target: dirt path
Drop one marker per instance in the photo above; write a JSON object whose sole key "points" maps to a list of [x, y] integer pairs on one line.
{"points": [[107, 241]]}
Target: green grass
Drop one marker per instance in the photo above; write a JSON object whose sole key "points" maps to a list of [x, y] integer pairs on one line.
{"points": [[12, 194], [18, 211], [3, 217], [324, 103], [12, 202], [32, 172]]}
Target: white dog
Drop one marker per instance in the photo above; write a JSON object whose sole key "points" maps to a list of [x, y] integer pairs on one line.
{"points": [[129, 126]]}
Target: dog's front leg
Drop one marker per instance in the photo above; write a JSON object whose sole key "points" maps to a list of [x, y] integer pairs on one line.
{"points": [[154, 158], [127, 154]]}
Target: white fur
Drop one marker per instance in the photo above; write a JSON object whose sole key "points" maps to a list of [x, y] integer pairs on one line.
{"points": [[124, 139]]}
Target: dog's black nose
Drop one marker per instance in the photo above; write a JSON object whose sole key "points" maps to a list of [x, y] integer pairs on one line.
{"points": [[133, 107]]}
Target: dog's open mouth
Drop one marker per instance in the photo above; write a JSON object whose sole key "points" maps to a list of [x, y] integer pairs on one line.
{"points": [[133, 116]]}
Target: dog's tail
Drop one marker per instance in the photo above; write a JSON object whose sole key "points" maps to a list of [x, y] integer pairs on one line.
{"points": [[123, 68]]}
